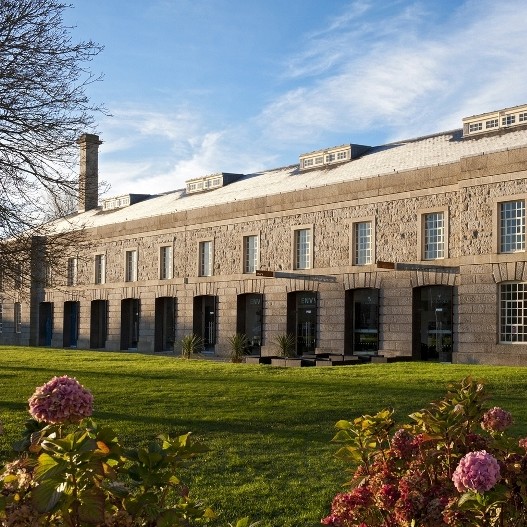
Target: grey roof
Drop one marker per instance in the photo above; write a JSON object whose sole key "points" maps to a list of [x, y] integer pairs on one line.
{"points": [[443, 148]]}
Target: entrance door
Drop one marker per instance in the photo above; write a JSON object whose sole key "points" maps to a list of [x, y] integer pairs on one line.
{"points": [[204, 323], [362, 321], [249, 319], [432, 323], [302, 320], [98, 324], [45, 323], [165, 324], [71, 324], [130, 311]]}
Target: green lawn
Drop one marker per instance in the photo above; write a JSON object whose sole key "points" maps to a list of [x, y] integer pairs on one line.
{"points": [[268, 429]]}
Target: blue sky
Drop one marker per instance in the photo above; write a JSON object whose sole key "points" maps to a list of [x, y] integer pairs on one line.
{"points": [[202, 86]]}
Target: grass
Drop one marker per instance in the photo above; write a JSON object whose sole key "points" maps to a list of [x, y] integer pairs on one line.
{"points": [[268, 429]]}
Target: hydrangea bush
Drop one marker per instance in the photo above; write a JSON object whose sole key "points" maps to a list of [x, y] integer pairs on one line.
{"points": [[72, 473], [453, 465]]}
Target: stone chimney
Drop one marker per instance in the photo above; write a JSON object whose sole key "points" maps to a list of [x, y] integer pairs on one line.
{"points": [[89, 172]]}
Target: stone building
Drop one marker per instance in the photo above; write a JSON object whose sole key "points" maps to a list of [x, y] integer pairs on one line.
{"points": [[409, 249]]}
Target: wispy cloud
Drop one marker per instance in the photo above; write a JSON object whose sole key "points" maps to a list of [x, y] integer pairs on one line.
{"points": [[403, 81]]}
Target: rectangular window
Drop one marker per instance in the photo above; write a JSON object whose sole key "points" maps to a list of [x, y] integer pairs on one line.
{"points": [[434, 236], [165, 263], [342, 155], [512, 226], [131, 266], [308, 162], [475, 127], [18, 317], [493, 123], [302, 249], [509, 119], [18, 276], [205, 258], [362, 243], [523, 117], [72, 271], [330, 158], [513, 312], [100, 269], [250, 254]]}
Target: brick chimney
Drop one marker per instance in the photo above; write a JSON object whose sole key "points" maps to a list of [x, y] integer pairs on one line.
{"points": [[89, 172]]}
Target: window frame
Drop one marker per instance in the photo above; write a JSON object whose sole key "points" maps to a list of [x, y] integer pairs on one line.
{"points": [[72, 271], [99, 269], [246, 268], [513, 310], [131, 271], [166, 265], [206, 261], [423, 214], [354, 240], [499, 243], [300, 261], [17, 317]]}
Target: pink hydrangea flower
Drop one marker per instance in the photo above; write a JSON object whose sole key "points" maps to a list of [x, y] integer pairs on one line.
{"points": [[477, 471], [496, 420], [522, 443], [61, 400]]}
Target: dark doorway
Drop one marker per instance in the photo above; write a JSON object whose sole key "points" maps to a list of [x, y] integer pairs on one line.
{"points": [[71, 324], [249, 319], [165, 324], [98, 324], [130, 313], [361, 324], [45, 323], [432, 323], [204, 324], [302, 320]]}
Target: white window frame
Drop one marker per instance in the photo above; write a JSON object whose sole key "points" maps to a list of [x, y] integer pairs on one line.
{"points": [[433, 248], [130, 265], [434, 235], [251, 253], [165, 262], [511, 217], [492, 123], [362, 241], [475, 127], [508, 120], [302, 247], [205, 257], [72, 275], [17, 317], [99, 269], [512, 309]]}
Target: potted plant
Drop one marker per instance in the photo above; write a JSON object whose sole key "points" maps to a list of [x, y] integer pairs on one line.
{"points": [[238, 343], [190, 345]]}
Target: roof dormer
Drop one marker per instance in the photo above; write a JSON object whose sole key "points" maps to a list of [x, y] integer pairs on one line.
{"points": [[331, 156], [494, 121], [210, 182]]}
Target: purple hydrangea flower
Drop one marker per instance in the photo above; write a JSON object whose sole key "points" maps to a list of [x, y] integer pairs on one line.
{"points": [[496, 420], [61, 400], [477, 471]]}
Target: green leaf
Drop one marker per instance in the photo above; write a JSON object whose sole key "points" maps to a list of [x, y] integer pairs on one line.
{"points": [[48, 467], [47, 494], [91, 509]]}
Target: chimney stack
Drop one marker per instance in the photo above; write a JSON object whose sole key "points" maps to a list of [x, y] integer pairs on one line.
{"points": [[89, 172]]}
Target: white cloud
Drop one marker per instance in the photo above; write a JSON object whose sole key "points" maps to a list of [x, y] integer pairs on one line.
{"points": [[404, 82]]}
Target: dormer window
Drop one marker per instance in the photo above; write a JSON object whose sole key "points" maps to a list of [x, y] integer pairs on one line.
{"points": [[494, 121], [211, 181], [330, 156]]}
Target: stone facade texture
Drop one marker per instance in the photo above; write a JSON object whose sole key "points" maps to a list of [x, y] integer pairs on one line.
{"points": [[468, 191]]}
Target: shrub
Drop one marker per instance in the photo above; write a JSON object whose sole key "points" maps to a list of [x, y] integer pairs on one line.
{"points": [[286, 345], [190, 345], [72, 473], [453, 465], [238, 344]]}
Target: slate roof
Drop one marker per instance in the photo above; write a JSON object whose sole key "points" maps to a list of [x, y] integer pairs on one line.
{"points": [[442, 148]]}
